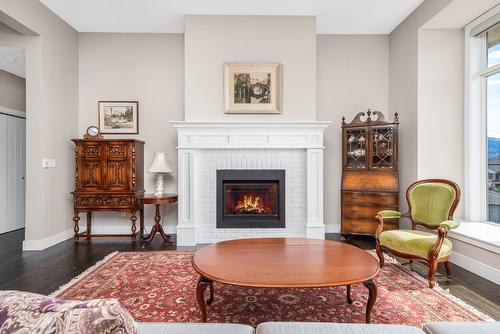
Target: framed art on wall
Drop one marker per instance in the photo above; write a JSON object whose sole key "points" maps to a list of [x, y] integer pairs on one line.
{"points": [[252, 88], [118, 117]]}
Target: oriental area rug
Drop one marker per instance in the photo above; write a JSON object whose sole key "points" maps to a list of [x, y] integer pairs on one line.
{"points": [[160, 286]]}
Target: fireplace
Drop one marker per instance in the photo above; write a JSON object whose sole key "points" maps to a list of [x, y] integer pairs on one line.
{"points": [[250, 198]]}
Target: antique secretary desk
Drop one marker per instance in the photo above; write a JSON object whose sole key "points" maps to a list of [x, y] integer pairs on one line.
{"points": [[369, 173]]}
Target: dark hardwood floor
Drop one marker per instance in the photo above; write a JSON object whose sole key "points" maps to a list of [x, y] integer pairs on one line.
{"points": [[45, 271]]}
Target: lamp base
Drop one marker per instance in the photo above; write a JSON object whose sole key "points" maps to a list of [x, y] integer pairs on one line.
{"points": [[160, 183]]}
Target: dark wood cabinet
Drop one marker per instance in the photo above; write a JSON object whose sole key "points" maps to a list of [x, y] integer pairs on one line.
{"points": [[109, 177], [370, 172]]}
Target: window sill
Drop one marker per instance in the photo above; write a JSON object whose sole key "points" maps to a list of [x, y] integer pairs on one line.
{"points": [[483, 235]]}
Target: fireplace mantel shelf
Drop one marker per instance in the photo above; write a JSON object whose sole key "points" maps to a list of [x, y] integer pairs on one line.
{"points": [[250, 124], [225, 135], [199, 139]]}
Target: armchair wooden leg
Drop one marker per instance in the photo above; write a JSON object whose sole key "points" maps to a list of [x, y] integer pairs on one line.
{"points": [[432, 273], [448, 268], [380, 254]]}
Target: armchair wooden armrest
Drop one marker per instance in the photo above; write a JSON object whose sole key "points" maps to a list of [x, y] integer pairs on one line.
{"points": [[386, 215], [450, 224], [442, 231]]}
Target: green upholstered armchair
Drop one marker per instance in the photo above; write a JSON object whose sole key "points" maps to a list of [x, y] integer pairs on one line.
{"points": [[431, 204]]}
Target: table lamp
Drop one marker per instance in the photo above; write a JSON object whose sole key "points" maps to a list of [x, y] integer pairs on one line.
{"points": [[160, 166]]}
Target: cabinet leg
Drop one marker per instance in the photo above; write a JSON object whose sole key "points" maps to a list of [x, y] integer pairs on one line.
{"points": [[89, 223], [142, 223], [76, 228], [133, 218]]}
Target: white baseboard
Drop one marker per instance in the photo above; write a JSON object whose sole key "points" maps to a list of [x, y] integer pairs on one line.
{"points": [[478, 268], [37, 245], [333, 228]]}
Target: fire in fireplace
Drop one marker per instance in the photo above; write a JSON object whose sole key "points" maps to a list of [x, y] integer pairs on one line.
{"points": [[250, 198]]}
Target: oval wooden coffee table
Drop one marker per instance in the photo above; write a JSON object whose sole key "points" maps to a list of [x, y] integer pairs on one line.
{"points": [[284, 263]]}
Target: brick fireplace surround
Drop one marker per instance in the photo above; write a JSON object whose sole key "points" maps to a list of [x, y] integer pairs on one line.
{"points": [[205, 147]]}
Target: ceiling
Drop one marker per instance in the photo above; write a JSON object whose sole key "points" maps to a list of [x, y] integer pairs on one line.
{"points": [[12, 61], [167, 16]]}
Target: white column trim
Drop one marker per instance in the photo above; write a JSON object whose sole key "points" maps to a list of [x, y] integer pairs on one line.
{"points": [[186, 229], [315, 227]]}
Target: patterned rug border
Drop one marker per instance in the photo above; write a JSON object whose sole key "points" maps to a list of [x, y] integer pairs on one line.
{"points": [[437, 288], [389, 259], [85, 273]]}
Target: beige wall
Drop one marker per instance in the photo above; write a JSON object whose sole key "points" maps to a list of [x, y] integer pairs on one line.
{"points": [[403, 85], [441, 106], [152, 73], [212, 40], [148, 68], [353, 75], [13, 92], [52, 116]]}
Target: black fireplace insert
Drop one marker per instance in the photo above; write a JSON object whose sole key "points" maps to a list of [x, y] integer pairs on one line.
{"points": [[250, 198]]}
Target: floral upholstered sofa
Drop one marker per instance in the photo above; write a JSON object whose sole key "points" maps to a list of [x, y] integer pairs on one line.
{"points": [[24, 312]]}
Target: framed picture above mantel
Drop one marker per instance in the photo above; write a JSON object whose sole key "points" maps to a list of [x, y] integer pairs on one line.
{"points": [[252, 88], [118, 117]]}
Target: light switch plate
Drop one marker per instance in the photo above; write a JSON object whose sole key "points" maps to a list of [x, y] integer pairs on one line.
{"points": [[48, 163]]}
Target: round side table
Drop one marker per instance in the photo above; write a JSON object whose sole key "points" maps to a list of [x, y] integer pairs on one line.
{"points": [[157, 201]]}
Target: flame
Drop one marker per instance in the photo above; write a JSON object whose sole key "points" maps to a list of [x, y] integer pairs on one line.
{"points": [[251, 204]]}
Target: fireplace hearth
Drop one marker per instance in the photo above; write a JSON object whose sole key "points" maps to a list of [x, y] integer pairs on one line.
{"points": [[250, 198]]}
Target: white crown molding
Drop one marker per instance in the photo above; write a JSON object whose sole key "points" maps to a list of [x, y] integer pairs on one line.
{"points": [[12, 112]]}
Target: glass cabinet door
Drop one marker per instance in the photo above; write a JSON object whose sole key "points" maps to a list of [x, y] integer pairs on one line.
{"points": [[355, 148], [382, 148]]}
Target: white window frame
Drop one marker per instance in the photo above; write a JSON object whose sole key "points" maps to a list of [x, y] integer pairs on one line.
{"points": [[475, 131]]}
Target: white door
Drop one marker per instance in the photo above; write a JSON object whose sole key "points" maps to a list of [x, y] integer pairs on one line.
{"points": [[12, 172]]}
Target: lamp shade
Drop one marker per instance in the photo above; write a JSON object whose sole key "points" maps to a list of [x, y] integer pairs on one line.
{"points": [[160, 164]]}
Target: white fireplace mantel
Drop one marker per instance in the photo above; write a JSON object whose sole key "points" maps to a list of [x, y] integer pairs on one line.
{"points": [[197, 137]]}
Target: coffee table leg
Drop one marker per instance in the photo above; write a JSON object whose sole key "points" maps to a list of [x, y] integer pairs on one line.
{"points": [[211, 299], [372, 296], [349, 299], [200, 296]]}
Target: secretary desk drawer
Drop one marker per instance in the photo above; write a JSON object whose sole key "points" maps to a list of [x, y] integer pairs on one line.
{"points": [[382, 199], [363, 211], [364, 225]]}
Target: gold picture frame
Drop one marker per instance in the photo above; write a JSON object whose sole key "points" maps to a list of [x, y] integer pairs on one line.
{"points": [[252, 88]]}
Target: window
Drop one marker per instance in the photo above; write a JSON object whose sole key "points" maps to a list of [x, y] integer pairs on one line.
{"points": [[482, 119], [492, 77]]}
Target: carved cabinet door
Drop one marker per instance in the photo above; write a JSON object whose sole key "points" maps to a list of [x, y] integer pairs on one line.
{"points": [[117, 167], [90, 167]]}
